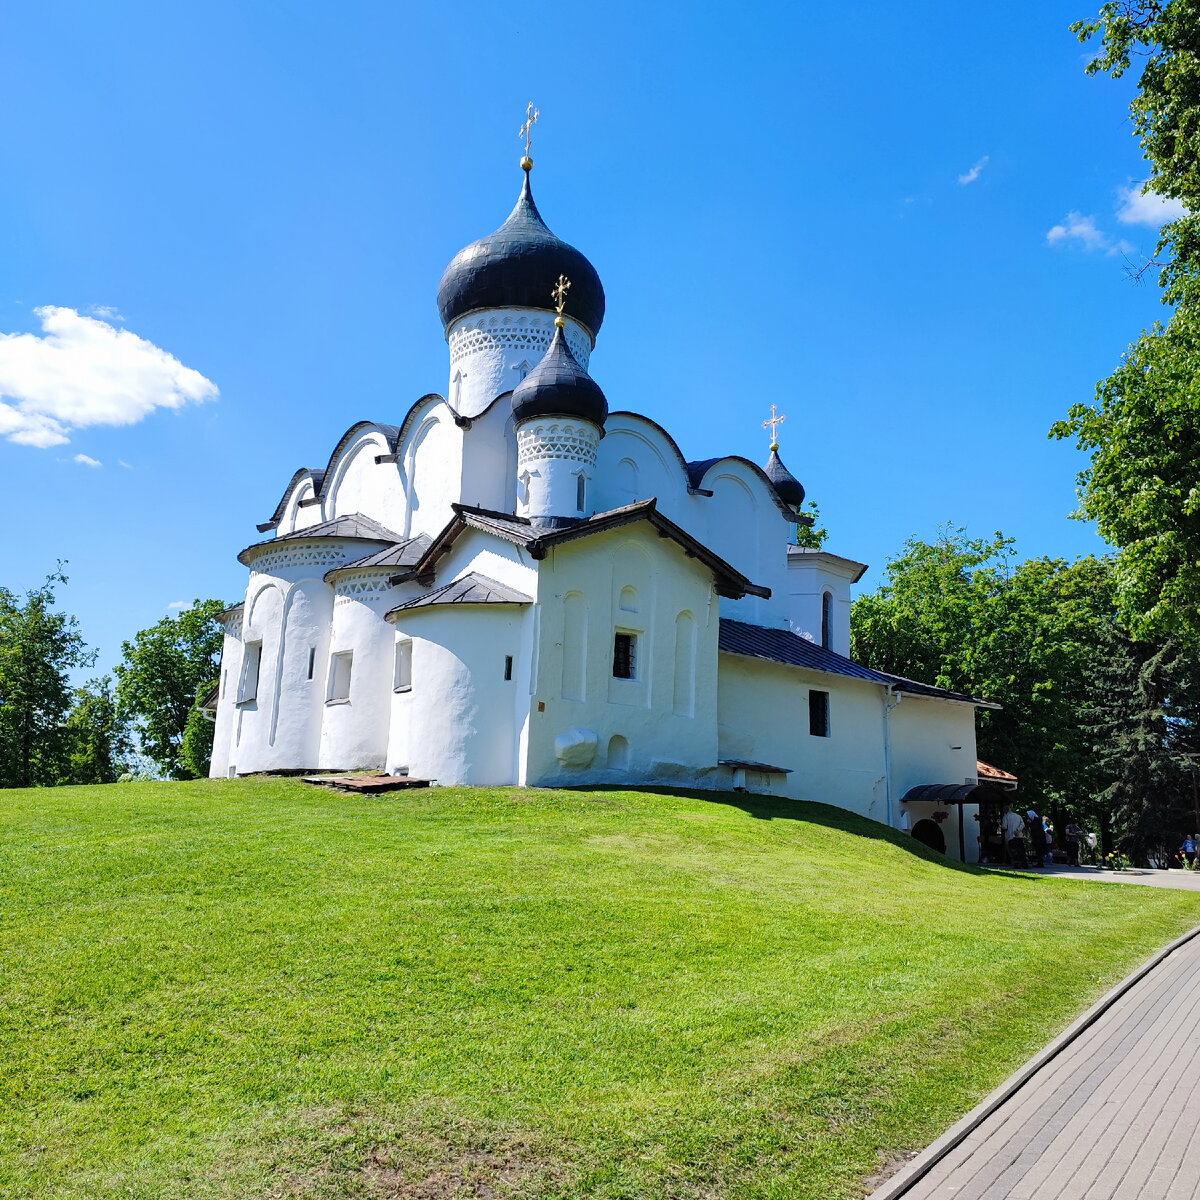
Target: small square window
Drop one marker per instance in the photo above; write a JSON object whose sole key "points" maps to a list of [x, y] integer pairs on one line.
{"points": [[625, 655], [402, 680], [818, 713], [340, 667], [251, 662]]}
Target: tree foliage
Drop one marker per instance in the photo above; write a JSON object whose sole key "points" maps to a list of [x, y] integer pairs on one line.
{"points": [[157, 682], [98, 737], [195, 751], [39, 647], [1143, 431]]}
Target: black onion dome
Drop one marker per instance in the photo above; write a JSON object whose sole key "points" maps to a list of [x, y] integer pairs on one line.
{"points": [[517, 267], [559, 387], [790, 489]]}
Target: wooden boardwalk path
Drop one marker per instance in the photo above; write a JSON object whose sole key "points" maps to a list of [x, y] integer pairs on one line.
{"points": [[1114, 1115]]}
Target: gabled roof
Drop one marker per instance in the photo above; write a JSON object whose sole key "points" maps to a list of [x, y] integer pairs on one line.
{"points": [[784, 646], [471, 588], [991, 774], [538, 540], [402, 556], [318, 478], [849, 567], [353, 527]]}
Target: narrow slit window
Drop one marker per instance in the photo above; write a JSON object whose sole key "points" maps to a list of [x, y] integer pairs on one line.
{"points": [[581, 491], [312, 660], [340, 667], [818, 713], [827, 620], [250, 668], [403, 673], [508, 667], [625, 655]]}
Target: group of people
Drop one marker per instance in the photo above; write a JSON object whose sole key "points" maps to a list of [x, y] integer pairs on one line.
{"points": [[1029, 840]]}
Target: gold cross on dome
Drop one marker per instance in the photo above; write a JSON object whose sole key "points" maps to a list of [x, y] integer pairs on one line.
{"points": [[531, 116], [772, 423], [561, 288]]}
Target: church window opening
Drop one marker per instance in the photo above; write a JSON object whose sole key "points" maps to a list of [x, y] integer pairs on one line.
{"points": [[818, 713], [340, 667], [250, 667], [312, 660], [507, 667], [581, 491], [624, 655], [224, 681], [827, 620], [618, 752], [628, 601], [523, 489], [402, 681]]}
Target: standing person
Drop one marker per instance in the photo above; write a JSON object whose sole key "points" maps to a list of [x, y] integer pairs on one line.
{"points": [[1189, 848], [1037, 838], [1073, 835], [1014, 837]]}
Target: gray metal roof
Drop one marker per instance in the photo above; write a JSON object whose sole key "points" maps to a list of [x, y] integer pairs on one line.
{"points": [[538, 539], [353, 527], [746, 764], [403, 555], [471, 588], [784, 646], [952, 793]]}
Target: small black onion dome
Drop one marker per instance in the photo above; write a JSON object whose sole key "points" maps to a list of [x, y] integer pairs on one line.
{"points": [[790, 489], [559, 387], [516, 267]]}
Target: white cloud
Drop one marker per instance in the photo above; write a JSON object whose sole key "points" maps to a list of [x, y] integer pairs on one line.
{"points": [[87, 460], [1147, 208], [974, 173], [83, 372], [1077, 229], [105, 312], [180, 604], [122, 463]]}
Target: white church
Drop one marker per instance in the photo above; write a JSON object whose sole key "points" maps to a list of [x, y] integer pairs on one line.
{"points": [[515, 584]]}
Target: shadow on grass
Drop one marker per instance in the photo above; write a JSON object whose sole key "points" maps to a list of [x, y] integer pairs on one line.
{"points": [[781, 808]]}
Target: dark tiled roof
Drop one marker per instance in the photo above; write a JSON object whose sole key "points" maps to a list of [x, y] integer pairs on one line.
{"points": [[403, 555], [697, 470], [517, 267], [746, 764], [951, 793], [353, 527], [472, 588], [539, 539], [790, 489], [784, 646]]}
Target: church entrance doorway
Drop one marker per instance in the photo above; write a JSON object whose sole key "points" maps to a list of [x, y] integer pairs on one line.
{"points": [[928, 833]]}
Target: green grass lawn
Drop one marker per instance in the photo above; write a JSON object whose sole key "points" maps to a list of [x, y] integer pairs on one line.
{"points": [[260, 989]]}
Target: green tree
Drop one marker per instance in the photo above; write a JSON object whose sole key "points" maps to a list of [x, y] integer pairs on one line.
{"points": [[98, 737], [1143, 431], [157, 682], [195, 751], [810, 533], [39, 647], [964, 614]]}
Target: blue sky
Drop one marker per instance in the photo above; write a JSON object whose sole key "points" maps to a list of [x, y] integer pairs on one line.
{"points": [[901, 224]]}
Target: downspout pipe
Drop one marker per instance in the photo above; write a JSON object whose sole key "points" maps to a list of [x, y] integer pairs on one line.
{"points": [[891, 698]]}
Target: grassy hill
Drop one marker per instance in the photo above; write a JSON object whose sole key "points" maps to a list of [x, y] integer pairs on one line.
{"points": [[258, 989]]}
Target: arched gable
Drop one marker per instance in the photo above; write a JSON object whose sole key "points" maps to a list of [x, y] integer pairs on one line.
{"points": [[638, 459], [363, 477]]}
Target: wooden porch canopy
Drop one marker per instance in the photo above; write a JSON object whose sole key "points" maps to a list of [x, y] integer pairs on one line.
{"points": [[956, 793]]}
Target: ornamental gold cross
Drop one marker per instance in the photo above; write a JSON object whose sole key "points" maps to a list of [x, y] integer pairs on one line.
{"points": [[531, 116], [772, 422], [561, 288]]}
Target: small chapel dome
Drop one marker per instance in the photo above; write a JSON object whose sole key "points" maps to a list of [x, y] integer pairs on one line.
{"points": [[516, 267], [559, 387], [790, 489]]}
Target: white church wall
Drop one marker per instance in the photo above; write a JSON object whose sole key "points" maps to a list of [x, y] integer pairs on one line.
{"points": [[635, 461], [659, 726], [491, 351], [459, 722], [355, 727], [262, 626], [359, 484], [764, 717], [432, 472], [295, 731], [226, 714], [298, 514], [489, 463], [807, 579], [553, 455]]}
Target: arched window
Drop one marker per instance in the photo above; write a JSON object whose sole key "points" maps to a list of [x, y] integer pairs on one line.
{"points": [[618, 752], [827, 620], [628, 599]]}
